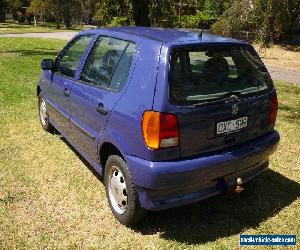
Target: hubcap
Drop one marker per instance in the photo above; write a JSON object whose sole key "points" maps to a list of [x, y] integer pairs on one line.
{"points": [[117, 190], [43, 112]]}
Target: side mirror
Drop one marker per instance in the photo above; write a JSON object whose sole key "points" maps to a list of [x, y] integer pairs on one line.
{"points": [[47, 64]]}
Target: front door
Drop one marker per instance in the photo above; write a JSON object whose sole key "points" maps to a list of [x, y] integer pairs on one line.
{"points": [[59, 90], [98, 90]]}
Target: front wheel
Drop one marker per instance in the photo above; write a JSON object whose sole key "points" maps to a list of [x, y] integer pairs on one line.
{"points": [[121, 192], [43, 115]]}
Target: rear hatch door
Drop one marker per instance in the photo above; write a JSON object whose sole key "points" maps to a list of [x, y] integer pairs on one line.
{"points": [[221, 95]]}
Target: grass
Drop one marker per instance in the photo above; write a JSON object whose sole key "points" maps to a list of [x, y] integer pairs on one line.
{"points": [[11, 27], [50, 199]]}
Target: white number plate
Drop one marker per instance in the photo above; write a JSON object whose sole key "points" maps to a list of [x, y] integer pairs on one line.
{"points": [[232, 125]]}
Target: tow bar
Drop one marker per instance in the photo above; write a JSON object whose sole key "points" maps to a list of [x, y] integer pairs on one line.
{"points": [[239, 188]]}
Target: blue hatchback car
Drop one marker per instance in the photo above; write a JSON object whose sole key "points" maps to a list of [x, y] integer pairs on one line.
{"points": [[168, 117]]}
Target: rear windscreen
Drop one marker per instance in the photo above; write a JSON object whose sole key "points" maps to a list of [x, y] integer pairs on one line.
{"points": [[212, 72]]}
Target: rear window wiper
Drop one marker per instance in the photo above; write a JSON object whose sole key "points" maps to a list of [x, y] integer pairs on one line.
{"points": [[230, 96]]}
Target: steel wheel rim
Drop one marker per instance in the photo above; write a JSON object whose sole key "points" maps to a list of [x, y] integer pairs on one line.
{"points": [[43, 112], [117, 190]]}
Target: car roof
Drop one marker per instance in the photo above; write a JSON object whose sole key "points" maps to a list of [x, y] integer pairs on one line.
{"points": [[167, 35]]}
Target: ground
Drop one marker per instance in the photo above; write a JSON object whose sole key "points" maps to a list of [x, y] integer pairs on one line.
{"points": [[280, 57], [62, 35], [282, 63], [49, 197]]}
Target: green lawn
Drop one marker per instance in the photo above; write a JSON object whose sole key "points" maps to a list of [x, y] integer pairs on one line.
{"points": [[50, 199], [11, 27]]}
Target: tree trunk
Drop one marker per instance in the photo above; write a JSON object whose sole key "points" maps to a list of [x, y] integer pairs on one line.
{"points": [[141, 12], [57, 20], [2, 16], [29, 19], [2, 12], [67, 17], [57, 25], [67, 21]]}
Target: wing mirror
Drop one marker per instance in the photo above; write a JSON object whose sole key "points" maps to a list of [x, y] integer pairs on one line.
{"points": [[47, 64]]}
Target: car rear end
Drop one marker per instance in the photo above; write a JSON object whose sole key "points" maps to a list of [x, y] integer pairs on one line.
{"points": [[215, 106]]}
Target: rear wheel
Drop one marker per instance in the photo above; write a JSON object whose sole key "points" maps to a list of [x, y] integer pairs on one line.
{"points": [[121, 192], [43, 115]]}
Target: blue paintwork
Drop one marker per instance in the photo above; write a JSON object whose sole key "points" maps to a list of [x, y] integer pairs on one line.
{"points": [[203, 166], [167, 180]]}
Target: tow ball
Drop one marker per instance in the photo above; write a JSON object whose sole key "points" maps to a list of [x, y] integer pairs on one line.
{"points": [[239, 188]]}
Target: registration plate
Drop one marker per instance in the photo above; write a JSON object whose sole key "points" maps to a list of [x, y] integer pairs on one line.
{"points": [[231, 126]]}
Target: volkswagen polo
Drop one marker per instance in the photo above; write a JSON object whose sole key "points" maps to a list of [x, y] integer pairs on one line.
{"points": [[167, 117]]}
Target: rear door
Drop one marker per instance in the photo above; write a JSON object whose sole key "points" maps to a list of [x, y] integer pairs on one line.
{"points": [[59, 90], [221, 95], [98, 89]]}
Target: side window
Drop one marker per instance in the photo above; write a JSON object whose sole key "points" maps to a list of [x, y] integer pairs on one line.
{"points": [[106, 60], [68, 62], [122, 70]]}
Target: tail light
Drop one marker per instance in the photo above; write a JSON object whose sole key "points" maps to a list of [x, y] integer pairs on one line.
{"points": [[273, 110], [160, 130]]}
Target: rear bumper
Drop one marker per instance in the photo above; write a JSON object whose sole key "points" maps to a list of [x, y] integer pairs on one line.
{"points": [[168, 184]]}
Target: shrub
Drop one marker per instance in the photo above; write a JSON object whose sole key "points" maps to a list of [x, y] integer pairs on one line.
{"points": [[235, 18], [120, 21], [200, 20]]}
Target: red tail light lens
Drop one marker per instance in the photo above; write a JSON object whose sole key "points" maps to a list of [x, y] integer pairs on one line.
{"points": [[160, 130], [169, 130], [273, 110]]}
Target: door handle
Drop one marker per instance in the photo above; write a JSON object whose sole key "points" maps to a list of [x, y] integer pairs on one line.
{"points": [[101, 109], [67, 92]]}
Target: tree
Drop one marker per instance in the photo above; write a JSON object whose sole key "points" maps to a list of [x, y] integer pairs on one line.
{"points": [[63, 10], [217, 7], [235, 18], [138, 10], [88, 8], [14, 7], [273, 20], [162, 13], [36, 8], [106, 10], [17, 8]]}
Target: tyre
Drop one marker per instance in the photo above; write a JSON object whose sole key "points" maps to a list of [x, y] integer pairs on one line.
{"points": [[43, 115], [121, 192]]}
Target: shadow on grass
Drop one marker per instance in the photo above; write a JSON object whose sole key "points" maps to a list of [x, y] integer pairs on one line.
{"points": [[84, 161], [34, 52], [219, 217]]}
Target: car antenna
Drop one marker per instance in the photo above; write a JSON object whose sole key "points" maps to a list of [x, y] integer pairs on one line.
{"points": [[200, 33]]}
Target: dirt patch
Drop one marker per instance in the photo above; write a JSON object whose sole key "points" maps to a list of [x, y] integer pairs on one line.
{"points": [[280, 57]]}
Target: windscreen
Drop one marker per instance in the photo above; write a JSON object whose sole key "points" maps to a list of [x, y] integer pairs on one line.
{"points": [[213, 72]]}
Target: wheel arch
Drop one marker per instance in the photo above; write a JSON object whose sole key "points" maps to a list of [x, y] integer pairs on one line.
{"points": [[107, 149]]}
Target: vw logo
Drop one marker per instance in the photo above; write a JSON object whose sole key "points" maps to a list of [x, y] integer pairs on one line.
{"points": [[234, 108]]}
